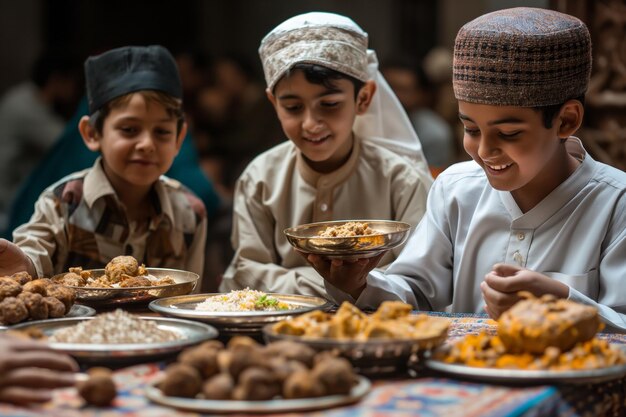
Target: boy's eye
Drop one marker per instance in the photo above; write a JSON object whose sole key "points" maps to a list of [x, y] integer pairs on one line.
{"points": [[330, 104], [508, 135], [471, 132], [128, 130], [292, 107]]}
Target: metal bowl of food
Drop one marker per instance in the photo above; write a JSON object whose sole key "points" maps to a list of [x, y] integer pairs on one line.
{"points": [[183, 282], [348, 238], [232, 321]]}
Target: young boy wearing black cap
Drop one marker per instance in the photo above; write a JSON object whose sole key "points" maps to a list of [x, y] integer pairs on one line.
{"points": [[123, 205], [533, 211]]}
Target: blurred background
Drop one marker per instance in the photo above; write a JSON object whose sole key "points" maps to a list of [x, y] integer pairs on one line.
{"points": [[215, 42]]}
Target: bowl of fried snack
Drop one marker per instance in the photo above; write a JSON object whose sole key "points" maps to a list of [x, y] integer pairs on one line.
{"points": [[247, 377], [379, 343], [539, 340], [125, 280], [348, 238]]}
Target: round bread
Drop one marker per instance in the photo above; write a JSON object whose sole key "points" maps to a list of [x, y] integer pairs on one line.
{"points": [[534, 324]]}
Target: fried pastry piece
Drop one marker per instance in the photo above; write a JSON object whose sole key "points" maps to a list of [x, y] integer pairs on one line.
{"points": [[181, 380], [12, 310], [534, 324], [99, 389], [72, 279], [121, 265], [390, 310], [128, 281], [56, 308], [40, 286], [21, 277], [218, 387], [64, 294], [36, 306], [9, 288]]}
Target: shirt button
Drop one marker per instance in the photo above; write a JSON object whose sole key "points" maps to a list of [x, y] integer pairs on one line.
{"points": [[323, 206], [521, 236], [517, 257]]}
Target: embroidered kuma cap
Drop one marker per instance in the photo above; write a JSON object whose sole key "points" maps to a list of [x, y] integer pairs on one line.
{"points": [[128, 69], [523, 56], [326, 39]]}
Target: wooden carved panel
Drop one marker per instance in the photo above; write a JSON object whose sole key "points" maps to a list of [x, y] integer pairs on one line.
{"points": [[604, 129]]}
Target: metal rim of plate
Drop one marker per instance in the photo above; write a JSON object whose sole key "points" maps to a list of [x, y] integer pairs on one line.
{"points": [[529, 377], [195, 332], [186, 281], [370, 357], [305, 238], [235, 321], [77, 310], [271, 406]]}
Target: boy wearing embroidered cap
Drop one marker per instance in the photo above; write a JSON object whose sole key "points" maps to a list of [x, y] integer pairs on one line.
{"points": [[123, 205], [532, 211], [352, 153]]}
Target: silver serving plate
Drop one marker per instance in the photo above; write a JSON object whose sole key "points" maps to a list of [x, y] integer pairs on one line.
{"points": [[77, 310], [370, 357], [278, 405], [529, 377], [190, 333], [185, 282], [306, 238], [236, 322]]}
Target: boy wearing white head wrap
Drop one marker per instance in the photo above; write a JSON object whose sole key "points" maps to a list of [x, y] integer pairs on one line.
{"points": [[352, 153]]}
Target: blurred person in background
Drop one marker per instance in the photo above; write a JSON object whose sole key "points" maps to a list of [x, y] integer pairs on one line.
{"points": [[32, 116], [416, 94]]}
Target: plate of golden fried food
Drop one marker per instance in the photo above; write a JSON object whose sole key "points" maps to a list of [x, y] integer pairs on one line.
{"points": [[246, 377], [239, 311], [124, 280], [539, 341], [379, 343], [348, 238], [23, 298]]}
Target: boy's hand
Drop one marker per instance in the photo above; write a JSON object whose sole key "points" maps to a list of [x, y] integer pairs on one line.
{"points": [[502, 284], [350, 276], [13, 259], [29, 370]]}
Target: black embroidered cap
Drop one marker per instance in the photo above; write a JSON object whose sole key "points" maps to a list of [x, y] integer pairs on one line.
{"points": [[128, 69]]}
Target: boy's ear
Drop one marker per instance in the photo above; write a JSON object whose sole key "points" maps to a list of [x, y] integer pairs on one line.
{"points": [[271, 97], [570, 118], [89, 134], [365, 96]]}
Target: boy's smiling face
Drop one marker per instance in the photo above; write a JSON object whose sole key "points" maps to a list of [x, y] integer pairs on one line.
{"points": [[515, 149], [139, 142], [319, 120]]}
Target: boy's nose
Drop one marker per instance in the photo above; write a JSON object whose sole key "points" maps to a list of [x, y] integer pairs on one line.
{"points": [[487, 147], [146, 142], [311, 122]]}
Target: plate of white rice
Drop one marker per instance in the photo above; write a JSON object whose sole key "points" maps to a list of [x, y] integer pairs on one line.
{"points": [[241, 311]]}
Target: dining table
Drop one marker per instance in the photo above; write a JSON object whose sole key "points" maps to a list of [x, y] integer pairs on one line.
{"points": [[419, 393]]}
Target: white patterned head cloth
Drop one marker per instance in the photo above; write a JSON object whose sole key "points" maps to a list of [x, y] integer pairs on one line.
{"points": [[336, 42]]}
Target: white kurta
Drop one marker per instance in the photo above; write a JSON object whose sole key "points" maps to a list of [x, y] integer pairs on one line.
{"points": [[576, 235], [279, 190]]}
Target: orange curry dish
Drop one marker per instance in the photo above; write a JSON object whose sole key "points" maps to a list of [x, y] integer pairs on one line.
{"points": [[539, 334], [349, 229]]}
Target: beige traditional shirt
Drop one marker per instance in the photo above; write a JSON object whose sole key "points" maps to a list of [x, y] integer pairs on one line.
{"points": [[79, 221], [279, 190]]}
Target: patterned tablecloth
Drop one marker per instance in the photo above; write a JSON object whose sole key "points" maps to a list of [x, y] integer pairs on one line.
{"points": [[430, 395]]}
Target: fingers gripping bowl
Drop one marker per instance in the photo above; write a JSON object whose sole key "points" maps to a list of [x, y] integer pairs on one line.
{"points": [[348, 238]]}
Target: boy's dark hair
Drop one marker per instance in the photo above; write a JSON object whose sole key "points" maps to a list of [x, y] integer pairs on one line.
{"points": [[172, 105], [317, 74], [548, 113]]}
